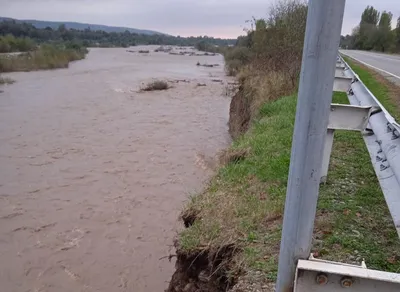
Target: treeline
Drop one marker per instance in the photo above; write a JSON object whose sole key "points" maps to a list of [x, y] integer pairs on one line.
{"points": [[35, 53], [374, 32], [91, 38]]}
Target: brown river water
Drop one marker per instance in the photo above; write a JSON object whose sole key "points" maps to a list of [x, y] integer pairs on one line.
{"points": [[93, 174]]}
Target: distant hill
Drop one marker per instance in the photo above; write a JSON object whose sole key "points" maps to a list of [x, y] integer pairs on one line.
{"points": [[81, 26]]}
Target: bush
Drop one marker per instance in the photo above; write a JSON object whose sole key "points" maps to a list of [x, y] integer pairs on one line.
{"points": [[236, 58], [156, 85]]}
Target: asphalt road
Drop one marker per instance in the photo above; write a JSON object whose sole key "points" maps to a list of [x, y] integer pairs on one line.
{"points": [[389, 65]]}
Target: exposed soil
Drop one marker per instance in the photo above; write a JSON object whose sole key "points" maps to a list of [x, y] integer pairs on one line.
{"points": [[239, 114], [202, 271]]}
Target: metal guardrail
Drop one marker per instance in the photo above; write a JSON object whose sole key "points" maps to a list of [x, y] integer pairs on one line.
{"points": [[315, 124], [381, 136], [380, 132]]}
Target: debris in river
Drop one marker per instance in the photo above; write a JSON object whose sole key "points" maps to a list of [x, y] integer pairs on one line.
{"points": [[156, 85], [181, 80], [163, 49], [207, 65]]}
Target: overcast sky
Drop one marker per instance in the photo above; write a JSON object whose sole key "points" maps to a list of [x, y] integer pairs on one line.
{"points": [[219, 18]]}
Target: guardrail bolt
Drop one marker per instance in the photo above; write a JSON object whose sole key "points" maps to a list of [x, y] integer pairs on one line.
{"points": [[395, 135], [346, 282], [322, 279], [389, 128], [384, 167]]}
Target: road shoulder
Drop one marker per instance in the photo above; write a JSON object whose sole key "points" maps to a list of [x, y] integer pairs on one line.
{"points": [[384, 86]]}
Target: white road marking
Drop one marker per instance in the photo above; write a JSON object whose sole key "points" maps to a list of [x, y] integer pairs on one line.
{"points": [[369, 65]]}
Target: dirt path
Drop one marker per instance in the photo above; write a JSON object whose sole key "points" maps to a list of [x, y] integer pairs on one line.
{"points": [[93, 174]]}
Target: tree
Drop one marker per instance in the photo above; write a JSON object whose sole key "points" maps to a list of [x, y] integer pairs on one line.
{"points": [[384, 38], [259, 36], [398, 34], [374, 32], [370, 16], [366, 37], [62, 28]]}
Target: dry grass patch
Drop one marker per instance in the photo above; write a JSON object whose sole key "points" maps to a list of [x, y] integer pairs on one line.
{"points": [[230, 155]]}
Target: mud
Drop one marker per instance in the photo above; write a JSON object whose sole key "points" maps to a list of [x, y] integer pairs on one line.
{"points": [[94, 173]]}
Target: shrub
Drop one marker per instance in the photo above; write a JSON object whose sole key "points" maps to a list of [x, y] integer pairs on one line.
{"points": [[236, 58]]}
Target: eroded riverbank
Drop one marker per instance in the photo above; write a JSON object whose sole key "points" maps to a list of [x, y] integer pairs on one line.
{"points": [[94, 173]]}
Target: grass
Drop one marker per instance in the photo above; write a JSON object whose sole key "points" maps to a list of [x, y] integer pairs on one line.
{"points": [[385, 91], [243, 204], [156, 85], [47, 57]]}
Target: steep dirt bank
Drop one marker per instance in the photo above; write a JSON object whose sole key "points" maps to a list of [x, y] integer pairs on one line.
{"points": [[239, 114]]}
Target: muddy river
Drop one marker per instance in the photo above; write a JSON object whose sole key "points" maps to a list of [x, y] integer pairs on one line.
{"points": [[93, 173]]}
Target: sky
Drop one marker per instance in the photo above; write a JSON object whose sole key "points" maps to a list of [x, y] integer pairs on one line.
{"points": [[218, 18]]}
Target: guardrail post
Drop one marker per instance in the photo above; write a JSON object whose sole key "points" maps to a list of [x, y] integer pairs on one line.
{"points": [[324, 23], [327, 154]]}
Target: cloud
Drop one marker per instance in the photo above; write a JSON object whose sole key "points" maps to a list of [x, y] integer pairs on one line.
{"points": [[224, 18]]}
